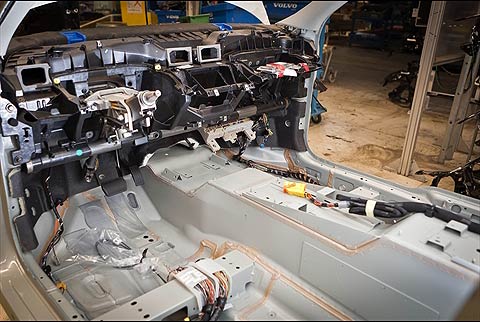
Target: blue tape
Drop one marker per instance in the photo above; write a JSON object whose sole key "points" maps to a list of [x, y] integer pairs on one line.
{"points": [[74, 36], [223, 26]]}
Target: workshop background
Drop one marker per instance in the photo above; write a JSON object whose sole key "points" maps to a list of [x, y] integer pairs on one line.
{"points": [[400, 102]]}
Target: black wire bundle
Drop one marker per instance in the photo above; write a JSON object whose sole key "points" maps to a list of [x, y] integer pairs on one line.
{"points": [[243, 142], [382, 209], [401, 209], [56, 238], [220, 306]]}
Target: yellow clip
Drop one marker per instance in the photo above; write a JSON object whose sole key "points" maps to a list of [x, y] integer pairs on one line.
{"points": [[61, 286], [294, 188], [186, 319], [56, 81]]}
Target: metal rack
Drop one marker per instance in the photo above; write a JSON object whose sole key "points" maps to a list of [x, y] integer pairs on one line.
{"points": [[452, 140]]}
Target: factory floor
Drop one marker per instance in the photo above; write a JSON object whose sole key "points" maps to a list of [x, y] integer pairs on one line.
{"points": [[363, 130]]}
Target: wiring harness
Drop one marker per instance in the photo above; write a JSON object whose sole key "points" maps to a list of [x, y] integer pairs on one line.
{"points": [[205, 285], [58, 234], [401, 209]]}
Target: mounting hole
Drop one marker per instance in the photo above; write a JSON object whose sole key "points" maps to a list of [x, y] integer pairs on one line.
{"points": [[12, 122], [478, 250], [59, 301], [41, 277], [456, 208], [75, 317], [133, 303], [238, 267], [129, 83], [146, 316], [145, 237], [151, 240], [224, 258], [140, 310], [13, 207], [268, 198]]}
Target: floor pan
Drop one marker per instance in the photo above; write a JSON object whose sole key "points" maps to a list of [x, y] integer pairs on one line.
{"points": [[289, 260]]}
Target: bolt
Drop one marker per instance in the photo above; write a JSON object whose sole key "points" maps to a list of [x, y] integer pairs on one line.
{"points": [[10, 108], [101, 176], [150, 97], [18, 159], [158, 67]]}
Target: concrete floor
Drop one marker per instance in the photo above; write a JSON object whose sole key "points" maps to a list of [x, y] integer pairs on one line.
{"points": [[364, 130], [3, 315]]}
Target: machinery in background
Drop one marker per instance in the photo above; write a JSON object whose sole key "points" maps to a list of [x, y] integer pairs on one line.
{"points": [[402, 95], [39, 19], [466, 178], [380, 24], [327, 72], [137, 13]]}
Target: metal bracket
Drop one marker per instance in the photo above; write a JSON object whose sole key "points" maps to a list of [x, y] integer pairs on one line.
{"points": [[440, 241], [12, 127], [456, 227], [227, 132]]}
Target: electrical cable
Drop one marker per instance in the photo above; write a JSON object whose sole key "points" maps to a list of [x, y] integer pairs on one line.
{"points": [[284, 173], [401, 209], [222, 299], [439, 83], [56, 238], [449, 72], [243, 142]]}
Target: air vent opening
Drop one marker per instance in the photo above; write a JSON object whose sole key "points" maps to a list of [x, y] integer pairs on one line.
{"points": [[209, 53], [32, 76], [179, 56]]}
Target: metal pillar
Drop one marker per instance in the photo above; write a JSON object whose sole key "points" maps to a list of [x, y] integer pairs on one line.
{"points": [[193, 8], [461, 102], [426, 62]]}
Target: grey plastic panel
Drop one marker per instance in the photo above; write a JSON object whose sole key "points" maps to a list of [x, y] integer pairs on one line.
{"points": [[155, 305], [350, 238], [374, 300]]}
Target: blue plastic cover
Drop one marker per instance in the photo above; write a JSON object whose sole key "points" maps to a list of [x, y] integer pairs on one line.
{"points": [[74, 36], [223, 26]]}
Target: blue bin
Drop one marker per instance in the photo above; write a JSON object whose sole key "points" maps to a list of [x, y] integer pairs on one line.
{"points": [[228, 13], [279, 10], [169, 16]]}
